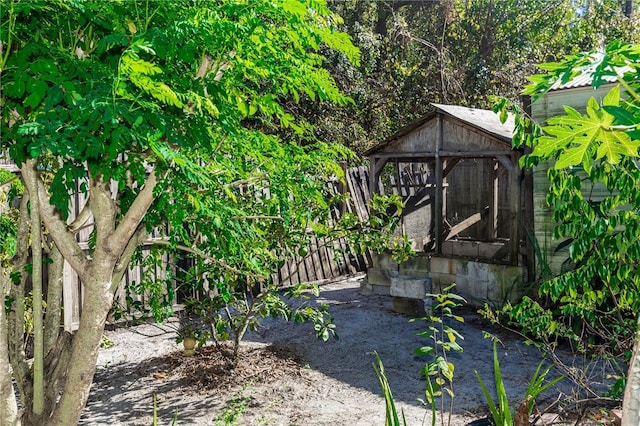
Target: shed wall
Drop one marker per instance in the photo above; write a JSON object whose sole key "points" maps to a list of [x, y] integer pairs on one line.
{"points": [[419, 140], [458, 137], [469, 186], [548, 106]]}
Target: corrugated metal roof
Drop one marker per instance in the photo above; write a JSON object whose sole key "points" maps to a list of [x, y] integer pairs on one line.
{"points": [[586, 78]]}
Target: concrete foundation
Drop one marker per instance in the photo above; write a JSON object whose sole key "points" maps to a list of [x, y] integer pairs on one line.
{"points": [[410, 307], [479, 282]]}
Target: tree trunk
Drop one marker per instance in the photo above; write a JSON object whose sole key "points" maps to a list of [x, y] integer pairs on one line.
{"points": [[486, 42], [86, 343], [54, 300], [8, 404], [16, 330], [31, 182], [631, 403], [70, 372]]}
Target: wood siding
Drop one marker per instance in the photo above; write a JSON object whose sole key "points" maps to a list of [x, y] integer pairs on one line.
{"points": [[548, 106]]}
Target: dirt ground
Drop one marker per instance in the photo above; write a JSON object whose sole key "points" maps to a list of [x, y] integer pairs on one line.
{"points": [[288, 377]]}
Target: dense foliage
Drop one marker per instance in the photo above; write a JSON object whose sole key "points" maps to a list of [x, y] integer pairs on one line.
{"points": [[595, 303], [163, 117], [460, 52], [183, 120]]}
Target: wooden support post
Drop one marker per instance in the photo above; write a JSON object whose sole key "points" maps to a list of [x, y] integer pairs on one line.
{"points": [[445, 165], [342, 188], [375, 170], [439, 185], [451, 163], [373, 180], [396, 173], [514, 211], [527, 219]]}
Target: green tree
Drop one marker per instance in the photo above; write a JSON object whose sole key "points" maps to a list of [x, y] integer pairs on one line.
{"points": [[597, 148], [162, 114], [451, 51]]}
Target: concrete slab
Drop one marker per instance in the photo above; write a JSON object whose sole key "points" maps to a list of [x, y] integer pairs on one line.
{"points": [[384, 261], [478, 271], [378, 276], [443, 265], [420, 262], [413, 288], [440, 281]]}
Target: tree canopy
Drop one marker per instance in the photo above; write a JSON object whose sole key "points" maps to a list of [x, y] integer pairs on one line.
{"points": [[459, 52], [165, 115]]}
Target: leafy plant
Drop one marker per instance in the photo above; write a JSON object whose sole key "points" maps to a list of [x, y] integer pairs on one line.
{"points": [[190, 325], [105, 342], [439, 372], [503, 413], [233, 309], [596, 301], [162, 117], [545, 329], [10, 188], [232, 411], [391, 413]]}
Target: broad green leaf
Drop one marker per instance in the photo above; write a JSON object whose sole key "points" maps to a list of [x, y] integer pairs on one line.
{"points": [[614, 144], [572, 137], [621, 115]]}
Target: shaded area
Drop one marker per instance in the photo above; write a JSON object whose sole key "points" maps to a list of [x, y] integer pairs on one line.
{"points": [[288, 376], [366, 324], [125, 392]]}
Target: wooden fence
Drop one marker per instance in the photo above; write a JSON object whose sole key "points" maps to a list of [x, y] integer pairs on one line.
{"points": [[326, 260]]}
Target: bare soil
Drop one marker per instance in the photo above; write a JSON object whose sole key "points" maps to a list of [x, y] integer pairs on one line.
{"points": [[288, 377]]}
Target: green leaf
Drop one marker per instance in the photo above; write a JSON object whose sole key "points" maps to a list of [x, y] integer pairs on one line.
{"points": [[615, 144], [242, 106], [621, 115], [424, 350], [573, 136]]}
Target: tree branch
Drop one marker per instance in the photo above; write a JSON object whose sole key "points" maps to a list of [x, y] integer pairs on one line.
{"points": [[31, 182], [17, 291], [259, 217], [103, 208], [58, 230], [8, 182], [203, 255], [129, 224], [80, 221], [54, 300]]}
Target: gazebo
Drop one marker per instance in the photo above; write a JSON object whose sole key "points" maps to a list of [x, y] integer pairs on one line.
{"points": [[467, 206]]}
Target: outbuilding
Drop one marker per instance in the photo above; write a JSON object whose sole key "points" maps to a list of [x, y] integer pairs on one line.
{"points": [[467, 208]]}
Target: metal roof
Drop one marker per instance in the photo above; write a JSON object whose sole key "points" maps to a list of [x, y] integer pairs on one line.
{"points": [[586, 78], [484, 120]]}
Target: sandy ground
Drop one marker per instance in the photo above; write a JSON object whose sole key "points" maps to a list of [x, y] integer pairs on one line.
{"points": [[288, 377]]}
